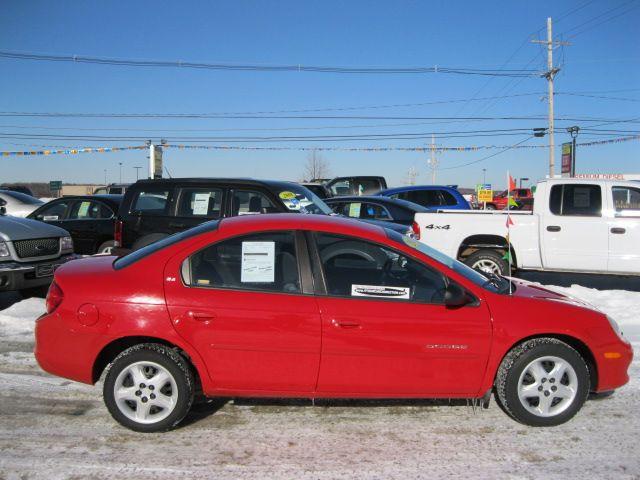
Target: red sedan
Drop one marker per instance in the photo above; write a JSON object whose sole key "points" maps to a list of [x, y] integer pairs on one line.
{"points": [[317, 307]]}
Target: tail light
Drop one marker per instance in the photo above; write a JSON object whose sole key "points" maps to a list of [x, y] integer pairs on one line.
{"points": [[54, 297], [416, 230], [117, 234]]}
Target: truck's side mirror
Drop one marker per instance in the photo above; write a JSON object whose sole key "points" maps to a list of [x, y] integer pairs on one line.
{"points": [[455, 296]]}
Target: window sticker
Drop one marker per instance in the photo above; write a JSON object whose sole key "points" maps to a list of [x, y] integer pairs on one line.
{"points": [[258, 262], [293, 204], [581, 198], [200, 203], [83, 210], [354, 210], [287, 195], [380, 291], [203, 281], [49, 218]]}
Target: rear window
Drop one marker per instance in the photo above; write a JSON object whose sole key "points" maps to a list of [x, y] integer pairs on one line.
{"points": [[200, 202], [144, 252], [447, 198], [576, 200]]}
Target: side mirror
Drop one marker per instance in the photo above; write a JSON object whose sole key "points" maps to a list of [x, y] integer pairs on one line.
{"points": [[3, 211], [455, 296]]}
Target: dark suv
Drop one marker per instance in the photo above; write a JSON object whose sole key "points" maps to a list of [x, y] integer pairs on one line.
{"points": [[153, 209]]}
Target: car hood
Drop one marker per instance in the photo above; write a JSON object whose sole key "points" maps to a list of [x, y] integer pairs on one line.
{"points": [[533, 290], [16, 228]]}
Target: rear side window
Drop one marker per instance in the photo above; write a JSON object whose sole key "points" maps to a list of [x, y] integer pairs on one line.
{"points": [[151, 202], [626, 198], [428, 198], [366, 186], [200, 202], [341, 188], [86, 210], [265, 261], [249, 202], [371, 211], [448, 198], [576, 200]]}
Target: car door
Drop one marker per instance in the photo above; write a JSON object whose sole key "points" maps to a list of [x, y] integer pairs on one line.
{"points": [[574, 234], [386, 330], [149, 215], [195, 205], [54, 213], [244, 305], [83, 223], [624, 230]]}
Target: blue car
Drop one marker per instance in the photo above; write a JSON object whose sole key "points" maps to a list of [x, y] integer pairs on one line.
{"points": [[433, 197]]}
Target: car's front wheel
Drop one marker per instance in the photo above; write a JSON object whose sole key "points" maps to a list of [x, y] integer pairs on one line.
{"points": [[542, 382], [149, 388]]}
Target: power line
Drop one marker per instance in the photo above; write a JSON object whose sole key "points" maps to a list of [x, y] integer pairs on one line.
{"points": [[490, 156], [265, 67]]}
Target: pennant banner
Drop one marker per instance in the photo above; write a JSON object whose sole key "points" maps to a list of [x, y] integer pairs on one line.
{"points": [[73, 151]]}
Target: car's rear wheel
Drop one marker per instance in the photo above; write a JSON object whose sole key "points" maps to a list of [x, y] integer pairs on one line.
{"points": [[542, 382], [149, 388], [488, 261]]}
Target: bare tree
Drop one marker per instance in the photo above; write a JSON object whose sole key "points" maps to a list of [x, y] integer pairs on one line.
{"points": [[316, 167]]}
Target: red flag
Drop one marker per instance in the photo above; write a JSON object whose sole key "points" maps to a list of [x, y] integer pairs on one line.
{"points": [[512, 183], [509, 221]]}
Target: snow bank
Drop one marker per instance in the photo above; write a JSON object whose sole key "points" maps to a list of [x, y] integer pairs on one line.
{"points": [[17, 322]]}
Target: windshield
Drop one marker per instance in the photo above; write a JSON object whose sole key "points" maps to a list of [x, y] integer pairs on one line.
{"points": [[22, 198], [302, 200], [485, 280]]}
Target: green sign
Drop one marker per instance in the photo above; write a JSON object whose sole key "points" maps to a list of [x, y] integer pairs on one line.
{"points": [[55, 185]]}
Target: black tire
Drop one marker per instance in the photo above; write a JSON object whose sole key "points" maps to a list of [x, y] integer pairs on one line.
{"points": [[492, 256], [38, 292], [105, 247], [148, 240], [513, 366], [168, 359], [490, 206]]}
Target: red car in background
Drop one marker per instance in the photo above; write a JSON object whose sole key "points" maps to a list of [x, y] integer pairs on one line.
{"points": [[522, 196], [315, 306]]}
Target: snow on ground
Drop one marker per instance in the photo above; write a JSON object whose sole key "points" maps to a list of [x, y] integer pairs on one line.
{"points": [[56, 429]]}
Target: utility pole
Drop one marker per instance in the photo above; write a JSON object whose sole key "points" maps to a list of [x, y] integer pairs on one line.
{"points": [[120, 163], [105, 176], [137, 172], [550, 75], [433, 161]]}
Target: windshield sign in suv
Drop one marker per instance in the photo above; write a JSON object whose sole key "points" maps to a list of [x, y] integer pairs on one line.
{"points": [[314, 306]]}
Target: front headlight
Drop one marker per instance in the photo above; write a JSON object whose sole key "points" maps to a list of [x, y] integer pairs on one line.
{"points": [[615, 326], [66, 244], [4, 250]]}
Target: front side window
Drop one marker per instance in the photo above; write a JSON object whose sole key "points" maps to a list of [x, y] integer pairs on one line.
{"points": [[151, 202], [366, 186], [371, 211], [249, 202], [341, 188], [356, 268], [302, 200], [200, 202], [576, 200], [265, 261], [626, 198], [53, 213]]}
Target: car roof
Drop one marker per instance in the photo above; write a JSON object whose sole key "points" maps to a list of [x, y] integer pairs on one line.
{"points": [[297, 221], [380, 199], [108, 198], [218, 180], [411, 188]]}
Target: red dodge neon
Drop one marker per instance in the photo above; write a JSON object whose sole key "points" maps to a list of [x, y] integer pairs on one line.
{"points": [[316, 307]]}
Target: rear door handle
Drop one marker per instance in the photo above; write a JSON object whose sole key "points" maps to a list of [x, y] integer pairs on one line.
{"points": [[553, 228], [338, 324], [618, 230], [201, 316]]}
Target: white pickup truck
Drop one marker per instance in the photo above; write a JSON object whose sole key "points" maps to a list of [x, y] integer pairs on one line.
{"points": [[575, 226]]}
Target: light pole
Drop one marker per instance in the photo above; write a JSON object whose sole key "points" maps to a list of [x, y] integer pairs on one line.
{"points": [[120, 163], [484, 176], [521, 179], [573, 131], [105, 177], [137, 172]]}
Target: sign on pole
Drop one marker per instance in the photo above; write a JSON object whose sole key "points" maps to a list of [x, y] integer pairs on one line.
{"points": [[567, 159], [155, 161], [485, 196]]}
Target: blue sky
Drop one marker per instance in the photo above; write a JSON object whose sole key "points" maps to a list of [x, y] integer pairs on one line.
{"points": [[355, 33]]}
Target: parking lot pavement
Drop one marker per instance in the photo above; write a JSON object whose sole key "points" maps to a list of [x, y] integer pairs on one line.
{"points": [[57, 429]]}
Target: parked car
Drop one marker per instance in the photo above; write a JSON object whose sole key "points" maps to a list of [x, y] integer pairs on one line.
{"points": [[18, 188], [357, 185], [19, 204], [318, 188], [435, 197], [588, 226], [317, 306], [523, 198], [30, 251], [112, 189], [154, 209], [376, 208], [90, 219]]}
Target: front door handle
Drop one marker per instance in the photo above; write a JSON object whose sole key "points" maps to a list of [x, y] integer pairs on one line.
{"points": [[553, 228], [201, 316], [338, 324], [618, 230]]}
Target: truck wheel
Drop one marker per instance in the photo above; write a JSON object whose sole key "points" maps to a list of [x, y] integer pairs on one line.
{"points": [[491, 206], [488, 261], [149, 388], [106, 247], [542, 382]]}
